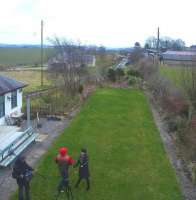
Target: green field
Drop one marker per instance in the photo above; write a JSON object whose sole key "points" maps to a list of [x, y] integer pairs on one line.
{"points": [[127, 158], [178, 75], [173, 73], [32, 78], [23, 56]]}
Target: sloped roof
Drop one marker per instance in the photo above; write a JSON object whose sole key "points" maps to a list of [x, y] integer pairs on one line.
{"points": [[180, 55], [8, 84]]}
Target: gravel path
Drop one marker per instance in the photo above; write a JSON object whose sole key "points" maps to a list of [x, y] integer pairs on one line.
{"points": [[187, 187], [49, 131]]}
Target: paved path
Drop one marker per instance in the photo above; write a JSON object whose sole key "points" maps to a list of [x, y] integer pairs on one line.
{"points": [[49, 131]]}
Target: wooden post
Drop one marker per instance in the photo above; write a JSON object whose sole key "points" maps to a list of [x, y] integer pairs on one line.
{"points": [[28, 112]]}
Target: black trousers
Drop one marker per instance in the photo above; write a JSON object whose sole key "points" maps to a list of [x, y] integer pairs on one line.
{"points": [[64, 183], [87, 182], [23, 191]]}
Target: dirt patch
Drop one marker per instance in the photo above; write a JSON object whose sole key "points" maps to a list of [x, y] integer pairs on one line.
{"points": [[187, 187]]}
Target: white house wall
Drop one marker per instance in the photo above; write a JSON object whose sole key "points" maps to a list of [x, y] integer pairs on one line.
{"points": [[8, 108]]}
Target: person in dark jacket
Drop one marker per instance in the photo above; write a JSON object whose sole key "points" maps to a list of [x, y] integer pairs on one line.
{"points": [[82, 163], [63, 161], [22, 172]]}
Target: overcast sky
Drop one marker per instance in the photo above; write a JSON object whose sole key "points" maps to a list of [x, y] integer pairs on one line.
{"points": [[112, 23]]}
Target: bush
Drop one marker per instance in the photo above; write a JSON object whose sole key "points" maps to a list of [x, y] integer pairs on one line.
{"points": [[119, 73], [111, 75], [132, 80], [80, 89], [133, 72]]}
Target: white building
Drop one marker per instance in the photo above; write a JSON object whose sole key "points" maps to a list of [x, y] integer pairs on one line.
{"points": [[13, 139], [10, 98]]}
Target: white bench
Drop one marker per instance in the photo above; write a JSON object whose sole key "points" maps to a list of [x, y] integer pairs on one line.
{"points": [[12, 145]]}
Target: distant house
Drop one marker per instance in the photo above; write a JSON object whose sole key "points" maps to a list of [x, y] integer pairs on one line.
{"points": [[89, 60], [193, 48], [179, 56], [10, 98]]}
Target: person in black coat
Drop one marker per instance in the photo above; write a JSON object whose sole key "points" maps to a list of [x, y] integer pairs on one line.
{"points": [[22, 172], [82, 163]]}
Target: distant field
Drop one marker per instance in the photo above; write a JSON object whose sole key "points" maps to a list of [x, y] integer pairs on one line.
{"points": [[173, 73], [106, 61], [178, 73], [23, 56], [32, 78]]}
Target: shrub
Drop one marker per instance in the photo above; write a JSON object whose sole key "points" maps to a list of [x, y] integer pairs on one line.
{"points": [[111, 75], [172, 125], [80, 89], [133, 72], [132, 80], [119, 72]]}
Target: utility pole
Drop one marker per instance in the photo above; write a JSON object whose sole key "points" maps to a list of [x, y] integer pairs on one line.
{"points": [[158, 40], [42, 81]]}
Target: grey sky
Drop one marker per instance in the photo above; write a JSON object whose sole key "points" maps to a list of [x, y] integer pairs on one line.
{"points": [[108, 22]]}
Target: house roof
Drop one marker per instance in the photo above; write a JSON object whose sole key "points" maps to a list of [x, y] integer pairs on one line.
{"points": [[186, 53], [8, 84], [180, 55]]}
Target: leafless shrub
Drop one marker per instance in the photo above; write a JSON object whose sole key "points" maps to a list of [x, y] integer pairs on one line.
{"points": [[146, 68]]}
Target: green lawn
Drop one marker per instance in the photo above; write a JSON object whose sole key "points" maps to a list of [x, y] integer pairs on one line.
{"points": [[127, 158]]}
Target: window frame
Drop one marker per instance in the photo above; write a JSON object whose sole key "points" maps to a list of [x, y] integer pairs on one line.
{"points": [[14, 99], [2, 106]]}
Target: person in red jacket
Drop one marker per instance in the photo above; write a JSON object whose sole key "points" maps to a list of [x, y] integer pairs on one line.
{"points": [[63, 161]]}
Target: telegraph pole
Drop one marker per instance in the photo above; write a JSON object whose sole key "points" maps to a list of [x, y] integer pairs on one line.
{"points": [[158, 40], [42, 81]]}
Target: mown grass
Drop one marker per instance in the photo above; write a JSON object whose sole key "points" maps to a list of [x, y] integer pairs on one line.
{"points": [[127, 158], [23, 56]]}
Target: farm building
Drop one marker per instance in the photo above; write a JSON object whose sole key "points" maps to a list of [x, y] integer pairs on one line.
{"points": [[13, 138], [179, 56], [193, 48]]}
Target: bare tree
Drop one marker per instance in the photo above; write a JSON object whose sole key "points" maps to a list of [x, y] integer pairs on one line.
{"points": [[68, 64]]}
